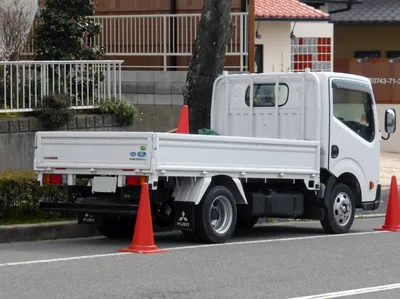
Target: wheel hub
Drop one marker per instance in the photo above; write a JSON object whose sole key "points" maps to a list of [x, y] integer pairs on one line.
{"points": [[342, 209], [221, 214]]}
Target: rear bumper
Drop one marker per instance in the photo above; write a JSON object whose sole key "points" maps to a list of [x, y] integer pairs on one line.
{"points": [[99, 209], [373, 205]]}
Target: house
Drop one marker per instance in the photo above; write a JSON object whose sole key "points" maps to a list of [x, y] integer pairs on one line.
{"points": [[277, 35], [291, 36], [366, 43]]}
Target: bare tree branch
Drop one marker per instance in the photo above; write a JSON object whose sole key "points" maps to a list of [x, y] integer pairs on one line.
{"points": [[16, 19]]}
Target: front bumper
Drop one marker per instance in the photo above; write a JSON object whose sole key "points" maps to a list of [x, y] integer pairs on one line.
{"points": [[373, 205]]}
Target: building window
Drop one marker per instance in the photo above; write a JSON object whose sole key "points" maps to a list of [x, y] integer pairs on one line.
{"points": [[264, 95], [367, 54], [392, 54], [311, 52], [353, 107]]}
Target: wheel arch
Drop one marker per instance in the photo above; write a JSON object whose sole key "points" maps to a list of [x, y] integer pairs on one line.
{"points": [[234, 185], [191, 190], [350, 172], [352, 182], [349, 180]]}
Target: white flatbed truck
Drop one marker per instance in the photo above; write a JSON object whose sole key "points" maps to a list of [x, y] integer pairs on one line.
{"points": [[307, 146]]}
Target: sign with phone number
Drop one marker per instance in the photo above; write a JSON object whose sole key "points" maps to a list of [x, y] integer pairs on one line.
{"points": [[385, 80]]}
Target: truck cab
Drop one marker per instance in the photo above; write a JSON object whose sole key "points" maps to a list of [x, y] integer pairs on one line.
{"points": [[336, 109]]}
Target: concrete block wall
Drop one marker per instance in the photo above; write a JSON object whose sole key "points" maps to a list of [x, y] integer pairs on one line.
{"points": [[17, 137], [153, 87]]}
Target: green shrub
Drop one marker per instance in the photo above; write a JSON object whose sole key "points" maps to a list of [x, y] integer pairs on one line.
{"points": [[55, 111], [20, 196], [124, 112]]}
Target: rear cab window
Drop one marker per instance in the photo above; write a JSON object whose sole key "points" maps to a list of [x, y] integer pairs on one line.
{"points": [[264, 95]]}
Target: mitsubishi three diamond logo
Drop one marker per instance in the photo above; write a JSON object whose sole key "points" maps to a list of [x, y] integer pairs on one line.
{"points": [[183, 217], [183, 221]]}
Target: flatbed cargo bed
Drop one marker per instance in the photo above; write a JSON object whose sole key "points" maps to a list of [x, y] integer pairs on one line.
{"points": [[175, 155]]}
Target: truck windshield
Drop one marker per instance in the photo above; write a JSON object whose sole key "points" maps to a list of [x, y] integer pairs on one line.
{"points": [[353, 107]]}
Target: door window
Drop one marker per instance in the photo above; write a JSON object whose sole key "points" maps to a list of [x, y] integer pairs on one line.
{"points": [[353, 107]]}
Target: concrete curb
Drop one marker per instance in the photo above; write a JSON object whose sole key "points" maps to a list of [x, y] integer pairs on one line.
{"points": [[370, 216], [45, 231]]}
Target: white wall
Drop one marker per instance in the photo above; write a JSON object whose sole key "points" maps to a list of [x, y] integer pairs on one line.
{"points": [[312, 29], [393, 144], [275, 36]]}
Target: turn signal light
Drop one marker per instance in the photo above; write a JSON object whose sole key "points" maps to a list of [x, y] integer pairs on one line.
{"points": [[54, 179], [135, 180], [371, 185]]}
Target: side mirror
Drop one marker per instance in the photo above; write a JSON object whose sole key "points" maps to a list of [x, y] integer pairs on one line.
{"points": [[390, 122]]}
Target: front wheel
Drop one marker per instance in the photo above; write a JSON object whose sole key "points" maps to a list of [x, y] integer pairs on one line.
{"points": [[338, 215], [216, 215]]}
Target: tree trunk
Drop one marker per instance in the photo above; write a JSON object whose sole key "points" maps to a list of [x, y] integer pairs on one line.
{"points": [[207, 62]]}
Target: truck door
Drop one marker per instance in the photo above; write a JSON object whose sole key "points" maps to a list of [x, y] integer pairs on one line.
{"points": [[354, 134]]}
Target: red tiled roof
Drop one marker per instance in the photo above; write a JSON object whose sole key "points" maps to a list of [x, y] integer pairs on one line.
{"points": [[286, 9]]}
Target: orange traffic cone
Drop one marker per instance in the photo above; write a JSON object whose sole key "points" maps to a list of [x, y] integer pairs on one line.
{"points": [[143, 238], [183, 125], [392, 220]]}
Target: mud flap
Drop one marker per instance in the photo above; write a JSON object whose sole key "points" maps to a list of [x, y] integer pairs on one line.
{"points": [[86, 218], [184, 213]]}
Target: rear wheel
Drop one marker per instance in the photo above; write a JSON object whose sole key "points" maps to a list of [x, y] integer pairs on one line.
{"points": [[116, 228], [216, 215], [338, 216]]}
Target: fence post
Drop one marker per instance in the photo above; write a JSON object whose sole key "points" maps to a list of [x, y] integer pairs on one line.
{"points": [[120, 79], [43, 92], [241, 42], [165, 43], [108, 81]]}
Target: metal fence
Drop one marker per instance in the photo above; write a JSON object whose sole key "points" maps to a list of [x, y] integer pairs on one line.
{"points": [[23, 84], [162, 35]]}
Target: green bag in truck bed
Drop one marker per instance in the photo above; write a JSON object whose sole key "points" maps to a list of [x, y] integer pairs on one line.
{"points": [[207, 132]]}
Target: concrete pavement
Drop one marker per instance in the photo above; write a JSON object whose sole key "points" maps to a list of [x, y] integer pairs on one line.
{"points": [[390, 165], [273, 261]]}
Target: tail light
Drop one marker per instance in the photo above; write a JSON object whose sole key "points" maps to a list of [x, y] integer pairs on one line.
{"points": [[54, 179], [132, 180]]}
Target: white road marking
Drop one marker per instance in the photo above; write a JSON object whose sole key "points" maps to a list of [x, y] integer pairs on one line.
{"points": [[83, 257], [273, 240], [352, 292], [188, 247]]}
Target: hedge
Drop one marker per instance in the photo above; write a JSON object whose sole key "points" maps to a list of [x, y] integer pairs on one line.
{"points": [[20, 196]]}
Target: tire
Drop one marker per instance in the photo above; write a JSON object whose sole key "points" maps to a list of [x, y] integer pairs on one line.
{"points": [[338, 215], [216, 215], [115, 228], [246, 222]]}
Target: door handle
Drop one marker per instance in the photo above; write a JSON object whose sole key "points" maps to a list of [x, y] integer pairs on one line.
{"points": [[334, 151]]}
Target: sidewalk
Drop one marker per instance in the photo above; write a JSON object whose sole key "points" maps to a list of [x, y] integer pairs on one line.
{"points": [[390, 165]]}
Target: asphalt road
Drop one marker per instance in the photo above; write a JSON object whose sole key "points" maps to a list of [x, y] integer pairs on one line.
{"points": [[284, 260]]}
